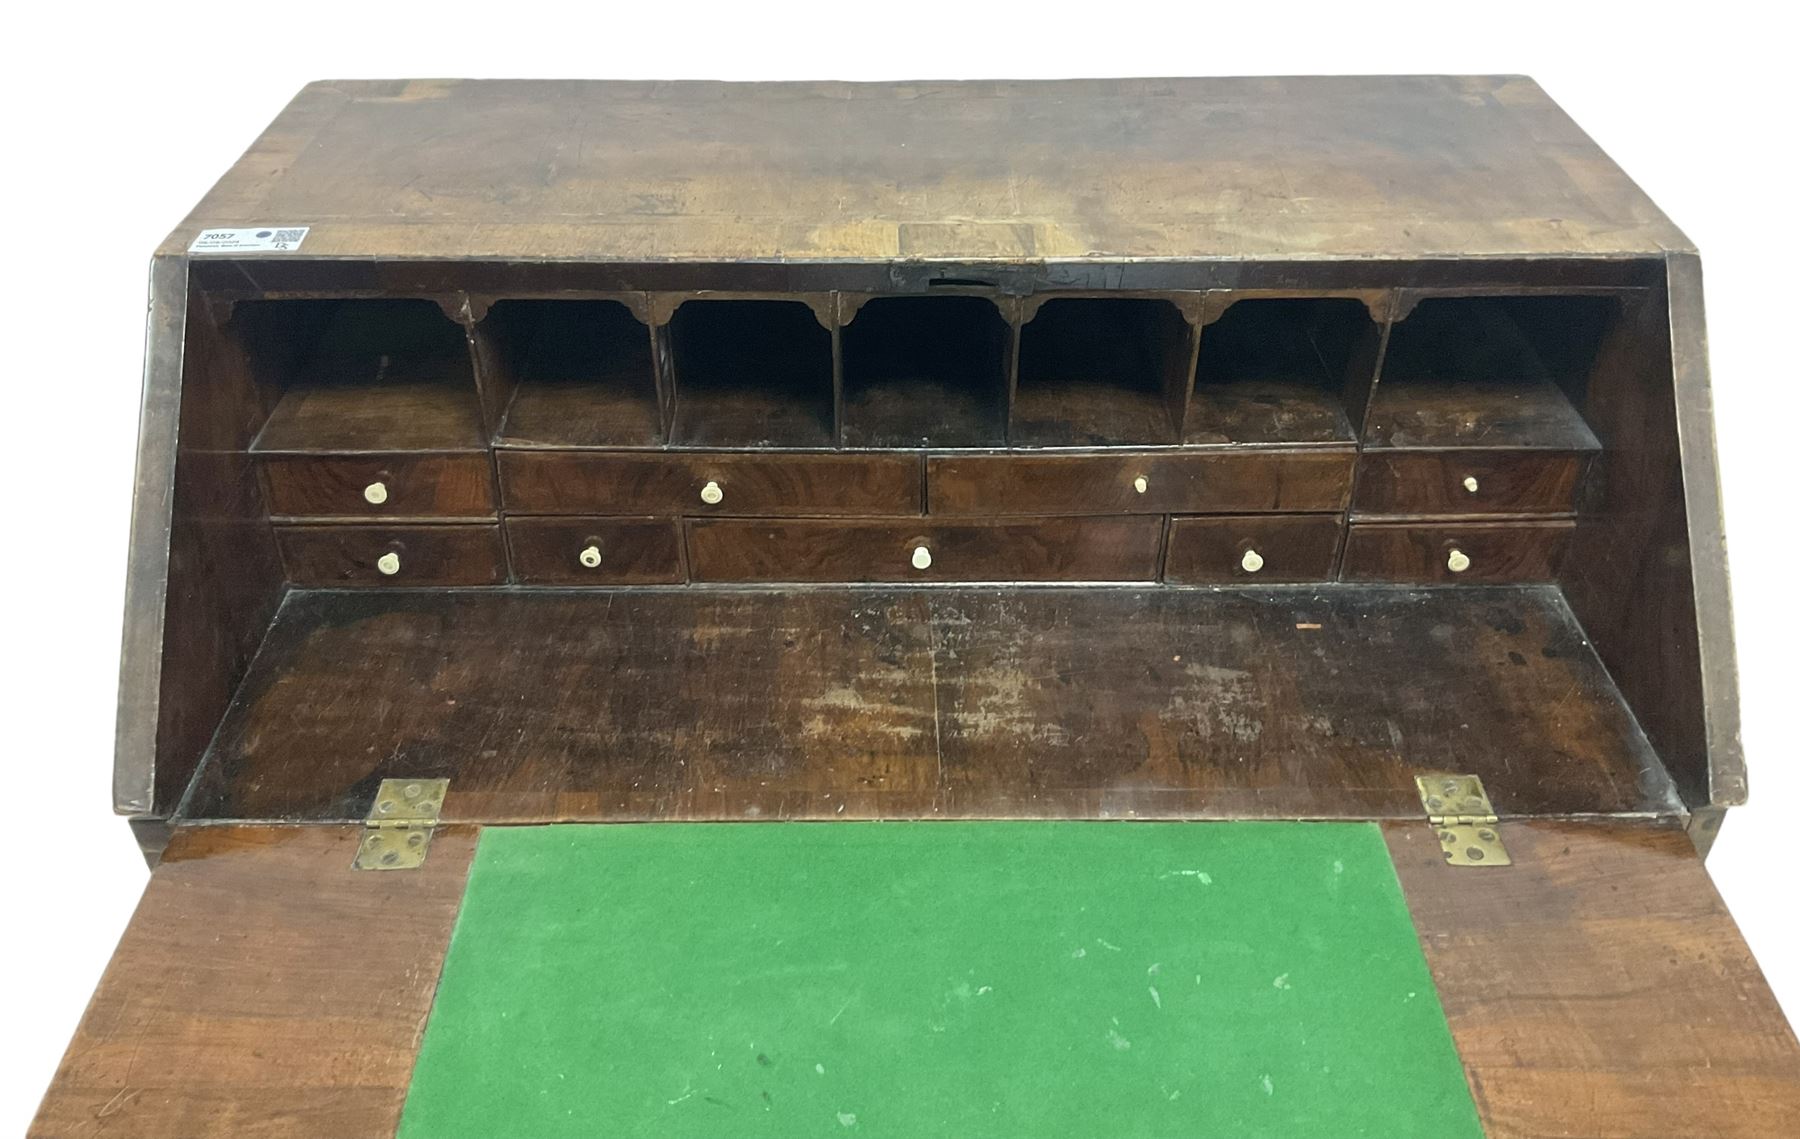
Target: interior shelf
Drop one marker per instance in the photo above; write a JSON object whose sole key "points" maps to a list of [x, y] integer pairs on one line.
{"points": [[1276, 370], [925, 372], [751, 373], [1499, 372], [361, 375], [1097, 702], [1101, 371], [581, 373]]}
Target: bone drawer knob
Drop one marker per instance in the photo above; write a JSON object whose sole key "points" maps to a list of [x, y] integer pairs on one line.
{"points": [[388, 563], [590, 557], [1470, 485], [1458, 561], [1252, 561], [1140, 484], [712, 494], [921, 558], [375, 493]]}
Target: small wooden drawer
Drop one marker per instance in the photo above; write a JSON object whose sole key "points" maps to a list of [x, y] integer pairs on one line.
{"points": [[1429, 551], [595, 551], [1253, 548], [1151, 482], [392, 555], [1039, 549], [700, 483], [379, 486], [1468, 482]]}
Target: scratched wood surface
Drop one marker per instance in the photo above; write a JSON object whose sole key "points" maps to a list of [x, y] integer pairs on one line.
{"points": [[1599, 987], [262, 988], [869, 703], [1084, 169]]}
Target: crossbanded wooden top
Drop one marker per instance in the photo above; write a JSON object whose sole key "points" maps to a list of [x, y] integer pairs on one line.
{"points": [[1064, 171]]}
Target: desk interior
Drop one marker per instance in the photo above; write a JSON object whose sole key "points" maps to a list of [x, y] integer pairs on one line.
{"points": [[857, 702]]}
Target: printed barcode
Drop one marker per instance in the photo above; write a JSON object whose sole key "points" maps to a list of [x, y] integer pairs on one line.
{"points": [[254, 239]]}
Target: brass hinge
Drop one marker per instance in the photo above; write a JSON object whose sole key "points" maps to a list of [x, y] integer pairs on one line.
{"points": [[1466, 825], [397, 832]]}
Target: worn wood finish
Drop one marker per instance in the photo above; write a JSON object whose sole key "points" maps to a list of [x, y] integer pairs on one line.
{"points": [[872, 703], [1598, 986], [1125, 170], [1029, 549], [1288, 548], [582, 413], [205, 574], [1632, 573], [574, 373], [262, 988], [1102, 371], [632, 551], [1422, 551], [1474, 413], [1241, 289], [752, 373], [1266, 412], [419, 416], [1434, 482], [1488, 371], [445, 486], [752, 484], [1200, 482], [1282, 369], [925, 372], [1074, 413], [461, 554]]}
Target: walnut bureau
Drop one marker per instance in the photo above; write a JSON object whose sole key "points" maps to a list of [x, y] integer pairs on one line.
{"points": [[1209, 590]]}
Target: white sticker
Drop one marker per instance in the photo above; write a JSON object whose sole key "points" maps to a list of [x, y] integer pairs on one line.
{"points": [[261, 239]]}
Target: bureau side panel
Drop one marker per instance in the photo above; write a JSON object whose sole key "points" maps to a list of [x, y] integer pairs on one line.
{"points": [[203, 579], [1645, 567]]}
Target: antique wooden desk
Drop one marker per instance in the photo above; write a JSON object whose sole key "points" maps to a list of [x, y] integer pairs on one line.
{"points": [[1311, 478]]}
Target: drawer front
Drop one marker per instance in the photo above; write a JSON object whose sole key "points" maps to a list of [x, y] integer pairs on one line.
{"points": [[1254, 548], [595, 551], [1236, 482], [379, 486], [392, 555], [550, 482], [1040, 549], [1468, 482], [1426, 552]]}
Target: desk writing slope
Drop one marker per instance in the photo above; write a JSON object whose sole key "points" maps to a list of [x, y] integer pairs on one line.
{"points": [[823, 552], [595, 974], [958, 978]]}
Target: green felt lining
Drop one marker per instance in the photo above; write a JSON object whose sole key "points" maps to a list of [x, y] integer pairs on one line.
{"points": [[1021, 979]]}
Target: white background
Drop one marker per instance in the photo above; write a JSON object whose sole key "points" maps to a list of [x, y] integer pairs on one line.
{"points": [[117, 123]]}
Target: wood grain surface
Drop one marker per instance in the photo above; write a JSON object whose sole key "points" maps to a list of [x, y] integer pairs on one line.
{"points": [[927, 702], [421, 416], [1204, 482], [1433, 482], [1421, 551], [460, 554], [571, 482], [326, 486], [1289, 548], [1599, 988], [632, 551], [263, 988], [1006, 550], [1595, 988], [1133, 169]]}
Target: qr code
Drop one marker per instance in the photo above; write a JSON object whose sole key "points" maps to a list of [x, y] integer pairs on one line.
{"points": [[285, 236]]}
